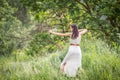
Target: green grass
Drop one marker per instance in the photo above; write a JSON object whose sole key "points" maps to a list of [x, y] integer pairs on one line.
{"points": [[99, 62]]}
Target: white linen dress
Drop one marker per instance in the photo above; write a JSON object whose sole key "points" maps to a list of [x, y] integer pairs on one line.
{"points": [[73, 58]]}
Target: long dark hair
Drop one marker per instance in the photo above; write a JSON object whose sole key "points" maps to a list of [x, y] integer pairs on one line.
{"points": [[75, 32]]}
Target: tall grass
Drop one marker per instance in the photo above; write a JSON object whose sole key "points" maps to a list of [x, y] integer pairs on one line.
{"points": [[99, 62]]}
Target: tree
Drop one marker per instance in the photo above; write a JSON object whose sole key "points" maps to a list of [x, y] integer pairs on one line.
{"points": [[21, 12], [99, 15], [8, 28]]}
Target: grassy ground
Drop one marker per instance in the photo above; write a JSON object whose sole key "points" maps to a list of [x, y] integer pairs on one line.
{"points": [[99, 62]]}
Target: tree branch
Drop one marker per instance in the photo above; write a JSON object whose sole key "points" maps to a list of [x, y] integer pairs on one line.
{"points": [[85, 6]]}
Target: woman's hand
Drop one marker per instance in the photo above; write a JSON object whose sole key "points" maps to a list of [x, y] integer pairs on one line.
{"points": [[50, 31], [62, 68]]}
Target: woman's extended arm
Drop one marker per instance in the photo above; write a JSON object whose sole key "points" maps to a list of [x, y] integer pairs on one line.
{"points": [[60, 34], [82, 31]]}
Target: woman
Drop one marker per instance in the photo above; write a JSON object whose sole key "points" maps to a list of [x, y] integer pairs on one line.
{"points": [[72, 60]]}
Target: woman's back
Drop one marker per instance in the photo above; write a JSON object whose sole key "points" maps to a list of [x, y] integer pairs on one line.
{"points": [[75, 41]]}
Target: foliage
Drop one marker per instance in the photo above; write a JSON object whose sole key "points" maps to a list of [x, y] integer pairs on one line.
{"points": [[101, 65], [99, 16], [7, 23], [43, 43], [21, 12], [13, 34]]}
